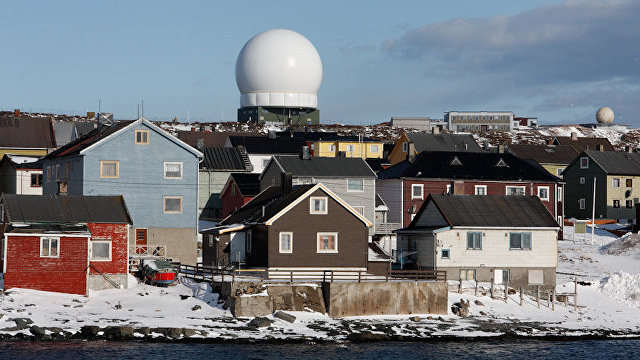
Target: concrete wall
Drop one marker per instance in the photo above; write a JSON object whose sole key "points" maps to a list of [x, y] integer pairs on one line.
{"points": [[181, 244], [385, 298], [97, 282]]}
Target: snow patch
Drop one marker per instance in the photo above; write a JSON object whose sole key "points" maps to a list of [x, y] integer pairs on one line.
{"points": [[622, 286]]}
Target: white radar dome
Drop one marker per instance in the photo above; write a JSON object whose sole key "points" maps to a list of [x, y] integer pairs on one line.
{"points": [[279, 68], [604, 115]]}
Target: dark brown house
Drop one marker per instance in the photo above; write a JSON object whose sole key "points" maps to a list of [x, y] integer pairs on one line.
{"points": [[306, 228]]}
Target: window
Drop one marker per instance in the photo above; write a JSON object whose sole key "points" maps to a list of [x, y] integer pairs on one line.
{"points": [[173, 204], [629, 204], [67, 170], [286, 242], [448, 189], [57, 172], [355, 185], [616, 203], [49, 173], [101, 250], [359, 209], [582, 180], [629, 182], [445, 253], [142, 137], [374, 148], [318, 205], [109, 169], [350, 148], [615, 182], [49, 247], [582, 204], [63, 187], [248, 242], [474, 240], [559, 198], [516, 190], [327, 242], [36, 180], [332, 148], [543, 193], [210, 240], [405, 147], [520, 241], [481, 189], [173, 170], [417, 191], [584, 163], [467, 274]]}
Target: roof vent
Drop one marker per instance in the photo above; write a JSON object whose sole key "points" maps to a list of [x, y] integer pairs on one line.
{"points": [[501, 163], [456, 161]]}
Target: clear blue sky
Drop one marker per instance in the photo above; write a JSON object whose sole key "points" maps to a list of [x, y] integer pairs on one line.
{"points": [[556, 60]]}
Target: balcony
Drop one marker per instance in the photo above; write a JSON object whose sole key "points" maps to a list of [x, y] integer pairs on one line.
{"points": [[386, 228]]}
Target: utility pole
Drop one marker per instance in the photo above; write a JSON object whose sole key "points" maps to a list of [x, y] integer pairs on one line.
{"points": [[593, 212]]}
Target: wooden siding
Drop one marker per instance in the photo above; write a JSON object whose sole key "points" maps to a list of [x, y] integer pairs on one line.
{"points": [[119, 236]]}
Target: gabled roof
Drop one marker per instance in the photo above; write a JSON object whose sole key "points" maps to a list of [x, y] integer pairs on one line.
{"points": [[270, 204], [27, 132], [545, 154], [444, 142], [475, 166], [490, 211], [223, 158], [66, 209], [65, 132], [584, 143], [247, 183], [85, 127], [349, 138], [264, 145], [307, 135], [96, 136], [33, 163], [616, 163], [324, 166], [211, 139]]}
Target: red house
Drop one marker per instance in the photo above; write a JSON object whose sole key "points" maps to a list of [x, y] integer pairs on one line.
{"points": [[406, 185], [69, 244], [239, 189]]}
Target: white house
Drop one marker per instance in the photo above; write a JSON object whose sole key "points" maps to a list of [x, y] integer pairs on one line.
{"points": [[21, 174]]}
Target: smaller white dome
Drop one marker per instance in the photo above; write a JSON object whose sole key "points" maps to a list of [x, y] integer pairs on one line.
{"points": [[604, 115]]}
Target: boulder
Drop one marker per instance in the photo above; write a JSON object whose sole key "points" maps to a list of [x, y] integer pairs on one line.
{"points": [[37, 331], [478, 302], [22, 323], [145, 330], [89, 331], [172, 333], [260, 322], [118, 332], [284, 316], [188, 332], [196, 307], [415, 318]]}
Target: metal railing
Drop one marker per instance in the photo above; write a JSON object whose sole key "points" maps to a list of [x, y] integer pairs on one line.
{"points": [[209, 273]]}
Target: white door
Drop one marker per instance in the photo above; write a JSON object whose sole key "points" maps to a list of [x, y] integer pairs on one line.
{"points": [[238, 247]]}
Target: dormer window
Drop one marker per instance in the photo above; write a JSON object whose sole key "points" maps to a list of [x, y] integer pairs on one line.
{"points": [[456, 161], [142, 137], [584, 163], [501, 163]]}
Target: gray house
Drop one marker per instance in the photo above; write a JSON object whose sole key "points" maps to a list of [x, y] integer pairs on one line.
{"points": [[155, 172], [349, 178]]}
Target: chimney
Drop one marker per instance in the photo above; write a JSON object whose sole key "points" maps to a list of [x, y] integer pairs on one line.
{"points": [[272, 134], [16, 113], [411, 152], [435, 130], [627, 148], [599, 147], [105, 120], [286, 182], [501, 149], [200, 144], [305, 154], [574, 136]]}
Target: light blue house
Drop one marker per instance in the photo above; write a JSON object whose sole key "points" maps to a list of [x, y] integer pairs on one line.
{"points": [[155, 172]]}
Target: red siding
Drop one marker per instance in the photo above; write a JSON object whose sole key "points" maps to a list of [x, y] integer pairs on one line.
{"points": [[119, 235], [26, 269], [232, 200], [493, 188]]}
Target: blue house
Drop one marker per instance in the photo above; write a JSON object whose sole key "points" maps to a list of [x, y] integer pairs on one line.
{"points": [[155, 172]]}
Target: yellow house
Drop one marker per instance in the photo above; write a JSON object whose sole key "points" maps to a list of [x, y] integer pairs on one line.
{"points": [[431, 142], [26, 135], [365, 148], [553, 158]]}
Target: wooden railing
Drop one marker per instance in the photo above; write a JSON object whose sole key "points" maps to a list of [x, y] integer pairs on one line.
{"points": [[387, 228], [209, 273], [149, 250]]}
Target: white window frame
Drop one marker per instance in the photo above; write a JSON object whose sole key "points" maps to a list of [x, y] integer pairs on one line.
{"points": [[57, 239], [477, 187], [332, 148], [448, 189], [448, 254], [322, 251], [415, 186], [559, 172], [141, 142], [582, 204], [613, 182], [100, 241], [355, 190], [312, 211], [524, 189], [522, 240], [584, 162], [350, 148], [103, 162], [164, 204], [548, 194], [613, 203], [374, 148], [583, 180], [405, 147], [280, 249], [173, 163]]}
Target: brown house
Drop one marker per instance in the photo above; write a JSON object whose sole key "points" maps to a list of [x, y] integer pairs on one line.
{"points": [[306, 228]]}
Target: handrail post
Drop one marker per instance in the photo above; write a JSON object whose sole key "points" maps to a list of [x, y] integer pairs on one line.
{"points": [[359, 275], [331, 275], [291, 275]]}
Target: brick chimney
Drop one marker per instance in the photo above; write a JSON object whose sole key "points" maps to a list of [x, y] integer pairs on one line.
{"points": [[574, 136], [16, 113], [411, 152]]}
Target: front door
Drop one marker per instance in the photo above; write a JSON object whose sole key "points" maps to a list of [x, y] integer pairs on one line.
{"points": [[141, 240]]}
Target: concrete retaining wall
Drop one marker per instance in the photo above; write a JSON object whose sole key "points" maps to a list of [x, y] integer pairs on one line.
{"points": [[385, 298]]}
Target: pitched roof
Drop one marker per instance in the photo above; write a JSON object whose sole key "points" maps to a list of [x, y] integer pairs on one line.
{"points": [[211, 139], [27, 132], [444, 142], [18, 161], [324, 166], [585, 143], [65, 132], [468, 165], [616, 163], [66, 209], [95, 135], [223, 158], [247, 183], [85, 127], [307, 135], [491, 211], [545, 154], [264, 145]]}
